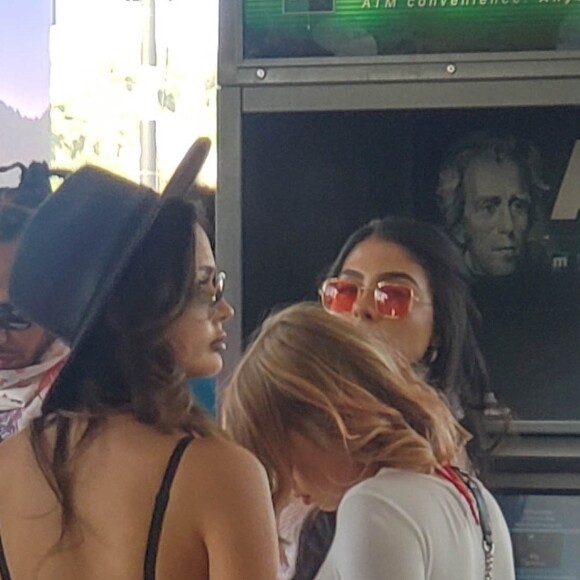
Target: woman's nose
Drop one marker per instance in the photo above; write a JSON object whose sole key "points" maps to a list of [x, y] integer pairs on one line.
{"points": [[364, 308], [224, 310]]}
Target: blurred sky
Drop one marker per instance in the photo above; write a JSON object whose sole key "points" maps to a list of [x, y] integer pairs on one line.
{"points": [[79, 65], [24, 55]]}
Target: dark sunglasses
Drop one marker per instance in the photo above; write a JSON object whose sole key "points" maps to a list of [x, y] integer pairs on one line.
{"points": [[391, 300], [10, 319]]}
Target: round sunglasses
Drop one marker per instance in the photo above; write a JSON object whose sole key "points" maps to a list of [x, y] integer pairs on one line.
{"points": [[209, 294], [391, 300], [220, 286], [11, 319]]}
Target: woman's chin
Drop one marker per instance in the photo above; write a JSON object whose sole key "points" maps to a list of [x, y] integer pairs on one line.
{"points": [[208, 366]]}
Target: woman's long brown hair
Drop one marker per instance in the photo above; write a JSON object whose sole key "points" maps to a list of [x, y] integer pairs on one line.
{"points": [[126, 363]]}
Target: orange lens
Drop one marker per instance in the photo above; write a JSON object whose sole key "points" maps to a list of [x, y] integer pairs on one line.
{"points": [[339, 295], [393, 300]]}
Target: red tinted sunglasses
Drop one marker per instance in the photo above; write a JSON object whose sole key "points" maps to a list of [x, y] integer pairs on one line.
{"points": [[391, 300]]}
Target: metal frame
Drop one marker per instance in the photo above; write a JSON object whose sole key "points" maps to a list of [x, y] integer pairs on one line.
{"points": [[536, 427], [411, 95], [229, 212], [237, 71], [535, 483], [540, 463], [447, 67]]}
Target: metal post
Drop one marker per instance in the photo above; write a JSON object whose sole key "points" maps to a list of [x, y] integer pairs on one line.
{"points": [[148, 127]]}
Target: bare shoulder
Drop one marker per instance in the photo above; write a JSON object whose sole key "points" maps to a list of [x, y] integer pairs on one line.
{"points": [[12, 452], [226, 492], [13, 447], [218, 477], [218, 459]]}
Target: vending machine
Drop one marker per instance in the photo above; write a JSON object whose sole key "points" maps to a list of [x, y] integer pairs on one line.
{"points": [[334, 112]]}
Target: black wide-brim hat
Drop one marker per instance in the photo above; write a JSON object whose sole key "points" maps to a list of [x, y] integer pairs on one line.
{"points": [[80, 241]]}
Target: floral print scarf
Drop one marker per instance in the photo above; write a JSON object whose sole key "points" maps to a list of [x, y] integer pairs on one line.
{"points": [[22, 391]]}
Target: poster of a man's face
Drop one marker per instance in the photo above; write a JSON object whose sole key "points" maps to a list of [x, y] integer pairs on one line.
{"points": [[488, 188]]}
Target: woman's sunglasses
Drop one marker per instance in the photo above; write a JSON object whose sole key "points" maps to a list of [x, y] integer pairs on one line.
{"points": [[10, 319], [210, 293], [391, 300], [220, 286]]}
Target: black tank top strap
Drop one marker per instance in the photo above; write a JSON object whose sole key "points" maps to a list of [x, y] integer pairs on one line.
{"points": [[160, 507], [4, 573]]}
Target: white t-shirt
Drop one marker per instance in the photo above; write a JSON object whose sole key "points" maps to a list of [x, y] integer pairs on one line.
{"points": [[400, 525]]}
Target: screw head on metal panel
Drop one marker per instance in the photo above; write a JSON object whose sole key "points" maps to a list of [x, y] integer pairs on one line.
{"points": [[451, 68], [261, 73]]}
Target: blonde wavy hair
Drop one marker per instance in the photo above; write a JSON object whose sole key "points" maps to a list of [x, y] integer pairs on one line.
{"points": [[318, 375]]}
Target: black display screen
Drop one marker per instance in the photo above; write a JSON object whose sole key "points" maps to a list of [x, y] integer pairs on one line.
{"points": [[310, 179]]}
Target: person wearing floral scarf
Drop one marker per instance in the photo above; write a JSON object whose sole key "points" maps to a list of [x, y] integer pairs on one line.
{"points": [[30, 358]]}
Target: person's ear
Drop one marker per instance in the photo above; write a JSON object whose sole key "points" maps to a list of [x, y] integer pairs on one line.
{"points": [[432, 351]]}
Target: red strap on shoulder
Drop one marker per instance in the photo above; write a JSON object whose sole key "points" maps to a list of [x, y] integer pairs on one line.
{"points": [[448, 473]]}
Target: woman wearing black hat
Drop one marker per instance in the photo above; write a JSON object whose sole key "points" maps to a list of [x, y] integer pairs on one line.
{"points": [[123, 476]]}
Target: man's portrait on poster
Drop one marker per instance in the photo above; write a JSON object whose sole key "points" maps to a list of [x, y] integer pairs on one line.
{"points": [[490, 193]]}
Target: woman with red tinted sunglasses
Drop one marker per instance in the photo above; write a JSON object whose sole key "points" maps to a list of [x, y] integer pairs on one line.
{"points": [[406, 281]]}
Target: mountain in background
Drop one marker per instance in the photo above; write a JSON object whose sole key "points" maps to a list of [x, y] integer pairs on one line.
{"points": [[22, 139]]}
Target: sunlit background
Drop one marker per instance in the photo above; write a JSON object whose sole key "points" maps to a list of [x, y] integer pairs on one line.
{"points": [[125, 84]]}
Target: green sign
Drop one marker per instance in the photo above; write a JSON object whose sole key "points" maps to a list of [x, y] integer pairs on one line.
{"points": [[302, 28], [308, 6]]}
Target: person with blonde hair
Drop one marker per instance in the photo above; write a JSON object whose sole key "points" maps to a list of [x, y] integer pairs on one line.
{"points": [[342, 423]]}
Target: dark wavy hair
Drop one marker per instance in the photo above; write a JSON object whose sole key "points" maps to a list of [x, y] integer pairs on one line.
{"points": [[126, 362], [459, 369]]}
